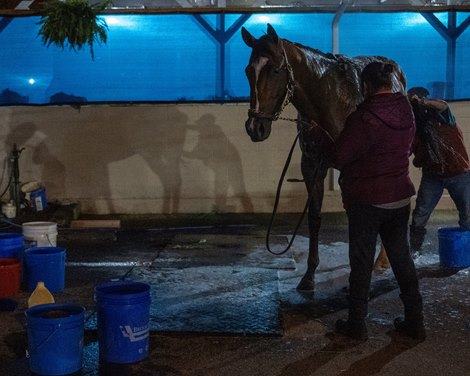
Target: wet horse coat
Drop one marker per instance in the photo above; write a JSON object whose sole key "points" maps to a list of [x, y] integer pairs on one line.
{"points": [[324, 88]]}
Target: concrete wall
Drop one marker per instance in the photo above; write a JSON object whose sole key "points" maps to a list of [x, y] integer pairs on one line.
{"points": [[161, 158]]}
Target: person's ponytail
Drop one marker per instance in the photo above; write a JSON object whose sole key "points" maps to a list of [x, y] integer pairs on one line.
{"points": [[378, 75]]}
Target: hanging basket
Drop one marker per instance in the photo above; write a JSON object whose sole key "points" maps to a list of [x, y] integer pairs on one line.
{"points": [[73, 23]]}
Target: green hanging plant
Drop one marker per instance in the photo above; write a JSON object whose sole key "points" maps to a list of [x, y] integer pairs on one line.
{"points": [[74, 23]]}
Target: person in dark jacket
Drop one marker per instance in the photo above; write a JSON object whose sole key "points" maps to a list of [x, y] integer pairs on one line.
{"points": [[372, 154], [440, 152]]}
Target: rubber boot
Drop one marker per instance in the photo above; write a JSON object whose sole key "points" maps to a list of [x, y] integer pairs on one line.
{"points": [[417, 235], [412, 325], [355, 329], [355, 326]]}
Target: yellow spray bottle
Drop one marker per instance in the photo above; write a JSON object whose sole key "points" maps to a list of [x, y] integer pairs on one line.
{"points": [[40, 295]]}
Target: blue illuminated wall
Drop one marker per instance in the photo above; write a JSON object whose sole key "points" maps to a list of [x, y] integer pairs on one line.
{"points": [[173, 58]]}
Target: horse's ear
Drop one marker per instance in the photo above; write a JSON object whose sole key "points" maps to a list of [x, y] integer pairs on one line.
{"points": [[248, 38], [272, 33]]}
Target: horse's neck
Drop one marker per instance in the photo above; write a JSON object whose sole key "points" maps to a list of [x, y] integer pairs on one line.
{"points": [[314, 98]]}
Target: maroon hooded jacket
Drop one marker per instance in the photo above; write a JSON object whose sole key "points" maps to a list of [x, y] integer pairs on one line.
{"points": [[373, 151]]}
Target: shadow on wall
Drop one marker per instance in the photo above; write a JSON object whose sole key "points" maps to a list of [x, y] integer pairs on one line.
{"points": [[47, 169], [158, 139], [216, 151], [92, 141], [115, 155], [161, 146], [112, 157]]}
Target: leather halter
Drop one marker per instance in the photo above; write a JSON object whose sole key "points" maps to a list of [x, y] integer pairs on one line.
{"points": [[252, 113]]}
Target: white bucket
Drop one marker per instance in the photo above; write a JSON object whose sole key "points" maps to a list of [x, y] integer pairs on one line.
{"points": [[40, 234]]}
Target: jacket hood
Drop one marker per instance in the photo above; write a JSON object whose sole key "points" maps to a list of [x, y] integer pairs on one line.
{"points": [[394, 110]]}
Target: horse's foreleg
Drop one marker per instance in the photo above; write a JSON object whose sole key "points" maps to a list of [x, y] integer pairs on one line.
{"points": [[307, 283], [315, 191]]}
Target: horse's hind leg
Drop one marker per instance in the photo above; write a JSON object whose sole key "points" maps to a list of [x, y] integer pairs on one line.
{"points": [[314, 177], [381, 262]]}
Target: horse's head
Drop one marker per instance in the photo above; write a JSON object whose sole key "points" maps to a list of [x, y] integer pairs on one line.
{"points": [[271, 82]]}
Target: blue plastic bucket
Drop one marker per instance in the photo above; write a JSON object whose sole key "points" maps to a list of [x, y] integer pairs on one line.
{"points": [[11, 245], [45, 264], [454, 247], [38, 199], [55, 338], [123, 309]]}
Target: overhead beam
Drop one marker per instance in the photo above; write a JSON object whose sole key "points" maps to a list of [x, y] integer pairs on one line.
{"points": [[437, 25], [24, 5], [463, 26], [221, 37], [258, 6], [450, 34], [184, 3], [4, 22]]}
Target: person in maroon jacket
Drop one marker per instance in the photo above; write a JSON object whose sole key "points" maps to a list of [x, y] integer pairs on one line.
{"points": [[372, 154]]}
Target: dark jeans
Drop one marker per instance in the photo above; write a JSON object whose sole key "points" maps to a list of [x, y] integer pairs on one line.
{"points": [[365, 224], [430, 192]]}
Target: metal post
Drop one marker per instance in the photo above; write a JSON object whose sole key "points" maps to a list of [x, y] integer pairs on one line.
{"points": [[15, 189], [451, 49], [221, 37], [335, 28]]}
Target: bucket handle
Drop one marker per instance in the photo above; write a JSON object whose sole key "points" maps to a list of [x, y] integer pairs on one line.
{"points": [[45, 340], [49, 240]]}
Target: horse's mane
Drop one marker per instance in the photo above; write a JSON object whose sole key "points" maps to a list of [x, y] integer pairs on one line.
{"points": [[265, 40], [311, 49], [357, 62]]}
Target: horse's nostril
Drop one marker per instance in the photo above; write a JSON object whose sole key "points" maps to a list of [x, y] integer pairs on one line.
{"points": [[261, 130]]}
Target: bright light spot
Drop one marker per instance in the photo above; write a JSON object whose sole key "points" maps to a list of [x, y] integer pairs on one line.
{"points": [[418, 19], [263, 19], [31, 81], [414, 19], [121, 21], [273, 19]]}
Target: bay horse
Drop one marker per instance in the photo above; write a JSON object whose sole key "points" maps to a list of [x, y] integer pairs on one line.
{"points": [[324, 88]]}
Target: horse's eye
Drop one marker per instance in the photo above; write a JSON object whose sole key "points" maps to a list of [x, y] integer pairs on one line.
{"points": [[277, 70]]}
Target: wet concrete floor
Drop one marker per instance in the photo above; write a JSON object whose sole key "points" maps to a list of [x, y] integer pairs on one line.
{"points": [[222, 305]]}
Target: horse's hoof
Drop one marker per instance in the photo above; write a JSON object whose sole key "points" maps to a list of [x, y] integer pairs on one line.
{"points": [[381, 266], [306, 285], [380, 269]]}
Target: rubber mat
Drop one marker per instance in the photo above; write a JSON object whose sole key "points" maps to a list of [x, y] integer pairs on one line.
{"points": [[242, 300], [228, 300], [200, 283]]}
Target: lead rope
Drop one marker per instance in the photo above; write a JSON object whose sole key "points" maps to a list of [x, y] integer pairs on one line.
{"points": [[278, 194]]}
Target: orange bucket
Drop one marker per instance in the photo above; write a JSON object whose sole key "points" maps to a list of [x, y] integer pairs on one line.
{"points": [[9, 277]]}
